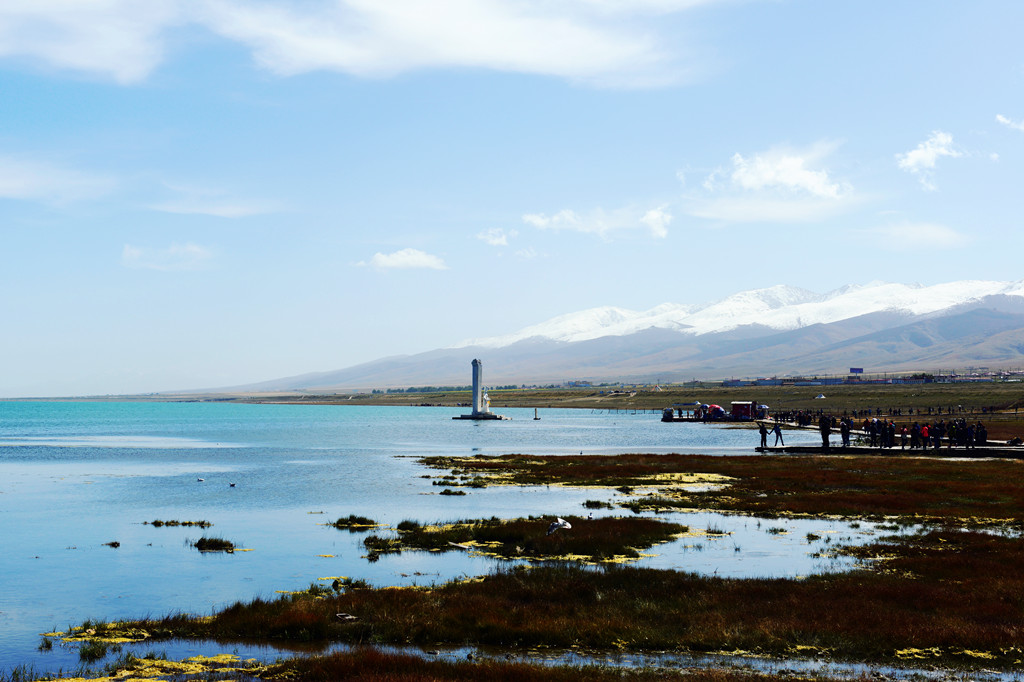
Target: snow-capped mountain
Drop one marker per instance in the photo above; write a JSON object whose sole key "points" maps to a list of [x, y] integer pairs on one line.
{"points": [[775, 331], [780, 308]]}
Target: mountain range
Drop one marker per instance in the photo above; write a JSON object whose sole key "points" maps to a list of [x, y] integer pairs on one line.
{"points": [[778, 331]]}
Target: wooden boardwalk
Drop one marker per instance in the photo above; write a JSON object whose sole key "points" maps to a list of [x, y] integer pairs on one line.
{"points": [[982, 451]]}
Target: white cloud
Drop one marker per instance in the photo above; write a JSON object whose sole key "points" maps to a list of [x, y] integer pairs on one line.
{"points": [[917, 236], [223, 209], [373, 38], [782, 170], [564, 219], [604, 223], [30, 179], [496, 236], [176, 257], [603, 42], [406, 259], [921, 160], [118, 38], [1014, 125], [778, 185], [657, 219]]}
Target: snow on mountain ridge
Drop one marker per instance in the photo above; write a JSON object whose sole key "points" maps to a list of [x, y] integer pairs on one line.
{"points": [[778, 307]]}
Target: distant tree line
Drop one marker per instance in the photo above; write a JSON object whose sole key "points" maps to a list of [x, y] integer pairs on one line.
{"points": [[441, 389]]}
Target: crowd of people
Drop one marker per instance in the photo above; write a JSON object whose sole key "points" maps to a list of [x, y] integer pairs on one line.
{"points": [[886, 433]]}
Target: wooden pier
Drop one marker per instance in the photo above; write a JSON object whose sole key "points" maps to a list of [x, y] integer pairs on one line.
{"points": [[1000, 451]]}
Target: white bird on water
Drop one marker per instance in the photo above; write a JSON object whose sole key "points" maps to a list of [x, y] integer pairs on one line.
{"points": [[559, 522]]}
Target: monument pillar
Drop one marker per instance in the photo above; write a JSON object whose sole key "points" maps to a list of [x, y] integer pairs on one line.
{"points": [[478, 387], [481, 404]]}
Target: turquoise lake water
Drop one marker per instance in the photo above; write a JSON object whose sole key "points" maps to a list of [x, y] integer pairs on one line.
{"points": [[75, 476]]}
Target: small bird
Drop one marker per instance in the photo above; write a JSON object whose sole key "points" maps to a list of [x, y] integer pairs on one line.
{"points": [[200, 479], [558, 523], [590, 516], [231, 484]]}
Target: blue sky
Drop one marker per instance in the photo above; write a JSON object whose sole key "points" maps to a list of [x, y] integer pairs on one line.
{"points": [[204, 193]]}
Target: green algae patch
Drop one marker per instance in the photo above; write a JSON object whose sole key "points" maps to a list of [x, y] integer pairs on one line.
{"points": [[603, 540], [201, 667], [646, 471], [107, 633]]}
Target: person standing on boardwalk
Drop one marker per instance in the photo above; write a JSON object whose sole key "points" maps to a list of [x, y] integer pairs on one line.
{"points": [[825, 426], [777, 430], [763, 430], [844, 432]]}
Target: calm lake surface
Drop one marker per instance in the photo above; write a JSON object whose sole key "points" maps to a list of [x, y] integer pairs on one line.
{"points": [[76, 476]]}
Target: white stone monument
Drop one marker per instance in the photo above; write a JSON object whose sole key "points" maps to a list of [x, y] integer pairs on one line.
{"points": [[481, 402]]}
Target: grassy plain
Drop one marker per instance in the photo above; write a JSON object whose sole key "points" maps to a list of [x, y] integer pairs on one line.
{"points": [[998, 395]]}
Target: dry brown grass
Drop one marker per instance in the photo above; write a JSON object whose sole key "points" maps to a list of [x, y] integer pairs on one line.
{"points": [[957, 595], [940, 490]]}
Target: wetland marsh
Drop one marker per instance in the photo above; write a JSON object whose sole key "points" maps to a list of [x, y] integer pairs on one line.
{"points": [[907, 561]]}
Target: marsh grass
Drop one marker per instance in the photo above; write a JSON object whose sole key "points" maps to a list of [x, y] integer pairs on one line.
{"points": [[171, 524], [957, 595], [600, 539], [206, 544], [94, 650], [985, 492], [355, 524]]}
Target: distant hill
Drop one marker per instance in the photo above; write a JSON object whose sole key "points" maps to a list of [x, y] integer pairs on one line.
{"points": [[777, 331]]}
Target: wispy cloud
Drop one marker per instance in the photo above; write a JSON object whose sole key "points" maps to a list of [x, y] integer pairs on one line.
{"points": [[219, 209], [405, 259], [912, 235], [604, 223], [121, 39], [31, 179], [1014, 125], [496, 236], [191, 199], [175, 257], [603, 42], [921, 160], [778, 185], [577, 40]]}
